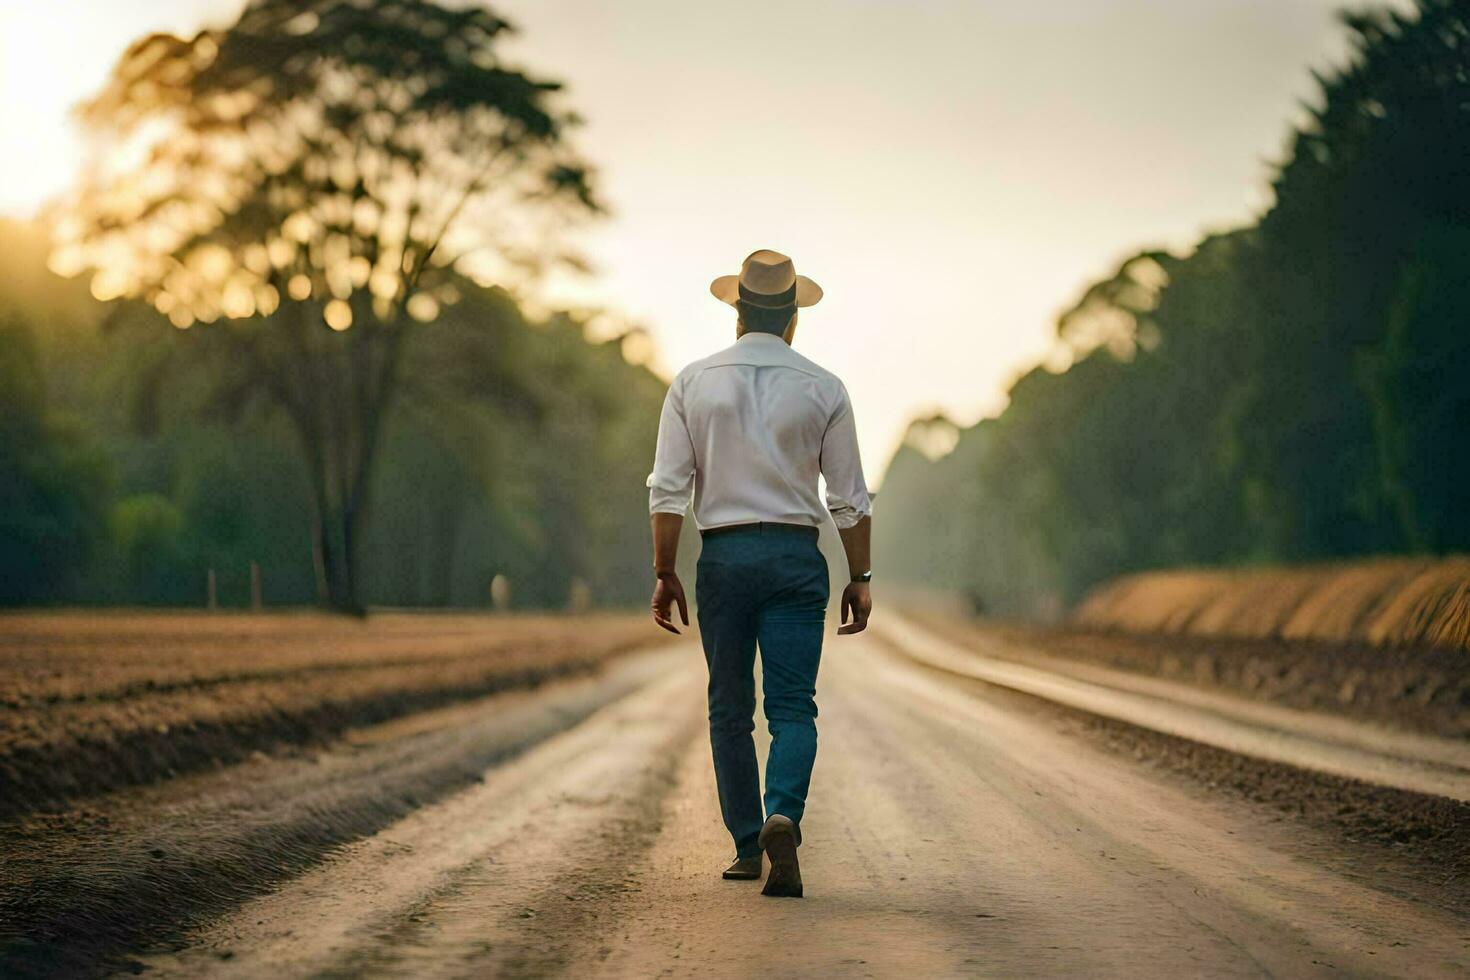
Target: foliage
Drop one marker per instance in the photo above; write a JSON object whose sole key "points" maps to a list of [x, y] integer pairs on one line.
{"points": [[313, 184], [148, 533], [518, 448], [53, 480], [544, 487], [1294, 390]]}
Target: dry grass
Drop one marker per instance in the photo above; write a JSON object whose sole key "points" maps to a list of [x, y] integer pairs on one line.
{"points": [[1386, 602]]}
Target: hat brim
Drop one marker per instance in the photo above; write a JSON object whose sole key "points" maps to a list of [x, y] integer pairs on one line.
{"points": [[726, 289]]}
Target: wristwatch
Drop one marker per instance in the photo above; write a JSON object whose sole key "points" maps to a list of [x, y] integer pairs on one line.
{"points": [[863, 576]]}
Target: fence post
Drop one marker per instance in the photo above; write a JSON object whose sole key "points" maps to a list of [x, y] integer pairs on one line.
{"points": [[500, 593], [213, 599], [256, 601]]}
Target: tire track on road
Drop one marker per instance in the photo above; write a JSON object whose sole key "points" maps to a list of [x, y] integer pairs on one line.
{"points": [[489, 882], [948, 835], [155, 860], [1309, 740]]}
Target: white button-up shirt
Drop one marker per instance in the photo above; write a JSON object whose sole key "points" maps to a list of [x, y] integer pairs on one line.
{"points": [[748, 430]]}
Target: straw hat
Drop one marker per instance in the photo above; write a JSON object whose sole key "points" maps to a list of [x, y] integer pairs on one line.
{"points": [[767, 279]]}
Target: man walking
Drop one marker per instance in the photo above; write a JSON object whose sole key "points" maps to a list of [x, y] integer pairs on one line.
{"points": [[747, 431]]}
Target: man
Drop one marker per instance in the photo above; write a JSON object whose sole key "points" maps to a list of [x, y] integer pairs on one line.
{"points": [[747, 431]]}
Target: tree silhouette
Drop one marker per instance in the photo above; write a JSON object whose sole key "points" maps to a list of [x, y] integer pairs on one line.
{"points": [[1295, 389], [308, 184], [1366, 258]]}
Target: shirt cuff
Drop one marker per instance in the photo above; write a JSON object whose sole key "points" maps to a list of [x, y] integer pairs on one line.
{"points": [[662, 500], [847, 516]]}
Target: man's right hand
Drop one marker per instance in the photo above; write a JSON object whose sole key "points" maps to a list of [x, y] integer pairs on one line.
{"points": [[857, 598], [668, 591]]}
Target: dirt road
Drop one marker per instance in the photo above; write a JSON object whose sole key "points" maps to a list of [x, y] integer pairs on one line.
{"points": [[951, 832]]}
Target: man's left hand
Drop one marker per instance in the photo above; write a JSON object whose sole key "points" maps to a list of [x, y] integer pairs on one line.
{"points": [[666, 593], [857, 599]]}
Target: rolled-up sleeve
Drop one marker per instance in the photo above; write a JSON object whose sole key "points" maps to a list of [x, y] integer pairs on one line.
{"points": [[671, 483], [842, 467]]}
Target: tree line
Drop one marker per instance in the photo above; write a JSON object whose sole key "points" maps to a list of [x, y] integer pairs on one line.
{"points": [[288, 221], [1297, 389], [123, 481]]}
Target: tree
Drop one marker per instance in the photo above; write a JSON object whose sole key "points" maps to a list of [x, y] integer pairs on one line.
{"points": [[307, 184], [1361, 403], [1296, 389], [53, 481]]}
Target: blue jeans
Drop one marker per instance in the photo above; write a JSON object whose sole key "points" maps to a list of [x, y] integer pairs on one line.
{"points": [[769, 587]]}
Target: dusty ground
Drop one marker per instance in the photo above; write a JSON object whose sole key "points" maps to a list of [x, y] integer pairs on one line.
{"points": [[572, 830], [1419, 839], [90, 701], [129, 869], [1419, 690]]}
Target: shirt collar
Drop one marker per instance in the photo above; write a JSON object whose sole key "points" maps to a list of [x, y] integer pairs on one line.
{"points": [[757, 337]]}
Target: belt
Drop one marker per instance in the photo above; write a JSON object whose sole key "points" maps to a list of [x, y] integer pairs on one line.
{"points": [[762, 526]]}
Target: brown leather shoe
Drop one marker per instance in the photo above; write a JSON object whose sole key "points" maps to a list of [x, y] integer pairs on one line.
{"points": [[744, 869], [778, 839]]}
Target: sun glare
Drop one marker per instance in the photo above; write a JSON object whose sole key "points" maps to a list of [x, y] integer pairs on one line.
{"points": [[56, 54], [42, 77]]}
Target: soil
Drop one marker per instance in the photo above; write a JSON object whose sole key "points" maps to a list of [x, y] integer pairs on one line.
{"points": [[1404, 836], [1417, 690], [1417, 843], [88, 881], [948, 833], [572, 829], [92, 702]]}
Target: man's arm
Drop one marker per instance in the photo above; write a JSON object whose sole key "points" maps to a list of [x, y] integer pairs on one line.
{"points": [[857, 598], [668, 590], [851, 507], [669, 488]]}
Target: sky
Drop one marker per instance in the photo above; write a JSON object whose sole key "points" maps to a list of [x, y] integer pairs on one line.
{"points": [[952, 172]]}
